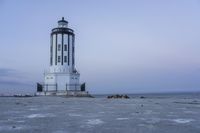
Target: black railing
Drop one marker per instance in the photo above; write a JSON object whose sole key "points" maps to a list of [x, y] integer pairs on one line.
{"points": [[54, 87], [62, 30], [72, 87], [50, 87]]}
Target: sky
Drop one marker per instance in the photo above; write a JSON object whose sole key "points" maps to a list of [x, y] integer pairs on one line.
{"points": [[122, 46]]}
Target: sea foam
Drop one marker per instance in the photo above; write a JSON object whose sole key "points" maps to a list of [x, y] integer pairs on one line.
{"points": [[94, 122], [182, 121], [40, 115]]}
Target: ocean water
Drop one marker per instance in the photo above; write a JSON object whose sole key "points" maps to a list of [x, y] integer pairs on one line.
{"points": [[156, 113]]}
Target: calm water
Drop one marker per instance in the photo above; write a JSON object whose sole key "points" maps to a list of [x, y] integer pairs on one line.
{"points": [[166, 113]]}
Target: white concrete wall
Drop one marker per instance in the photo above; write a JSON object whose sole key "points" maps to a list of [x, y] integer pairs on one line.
{"points": [[50, 81], [61, 79]]}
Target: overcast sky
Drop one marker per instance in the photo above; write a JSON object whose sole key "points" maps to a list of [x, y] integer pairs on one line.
{"points": [[122, 46]]}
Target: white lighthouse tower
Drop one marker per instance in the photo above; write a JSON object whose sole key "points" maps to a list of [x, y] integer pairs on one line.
{"points": [[62, 77]]}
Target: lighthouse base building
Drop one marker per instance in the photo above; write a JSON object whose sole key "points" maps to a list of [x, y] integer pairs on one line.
{"points": [[62, 78]]}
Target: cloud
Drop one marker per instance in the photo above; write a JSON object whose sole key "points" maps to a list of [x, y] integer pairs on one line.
{"points": [[13, 81], [12, 77], [6, 82], [6, 72]]}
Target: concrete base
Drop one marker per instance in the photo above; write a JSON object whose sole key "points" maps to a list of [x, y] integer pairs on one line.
{"points": [[64, 93]]}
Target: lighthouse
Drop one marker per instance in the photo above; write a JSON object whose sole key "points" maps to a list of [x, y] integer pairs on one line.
{"points": [[62, 78]]}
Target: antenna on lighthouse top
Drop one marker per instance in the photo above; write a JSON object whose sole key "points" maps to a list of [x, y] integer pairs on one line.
{"points": [[62, 23]]}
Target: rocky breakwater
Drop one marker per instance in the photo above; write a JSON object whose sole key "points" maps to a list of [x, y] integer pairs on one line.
{"points": [[117, 96]]}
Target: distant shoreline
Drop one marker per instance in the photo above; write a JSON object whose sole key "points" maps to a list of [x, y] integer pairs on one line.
{"points": [[131, 95], [17, 95]]}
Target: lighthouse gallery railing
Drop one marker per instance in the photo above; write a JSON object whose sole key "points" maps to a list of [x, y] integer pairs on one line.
{"points": [[54, 87]]}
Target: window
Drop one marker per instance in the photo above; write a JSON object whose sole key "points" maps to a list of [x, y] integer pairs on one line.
{"points": [[65, 58], [58, 58], [51, 61], [65, 47], [59, 47]]}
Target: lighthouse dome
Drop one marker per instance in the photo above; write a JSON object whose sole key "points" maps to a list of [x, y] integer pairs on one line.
{"points": [[62, 23]]}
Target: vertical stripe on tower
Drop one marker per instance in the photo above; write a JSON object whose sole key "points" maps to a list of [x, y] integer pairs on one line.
{"points": [[73, 50], [68, 49], [62, 51], [51, 48], [56, 51]]}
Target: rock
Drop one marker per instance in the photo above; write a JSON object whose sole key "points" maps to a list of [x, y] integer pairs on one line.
{"points": [[125, 96], [118, 96], [17, 103], [142, 97]]}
